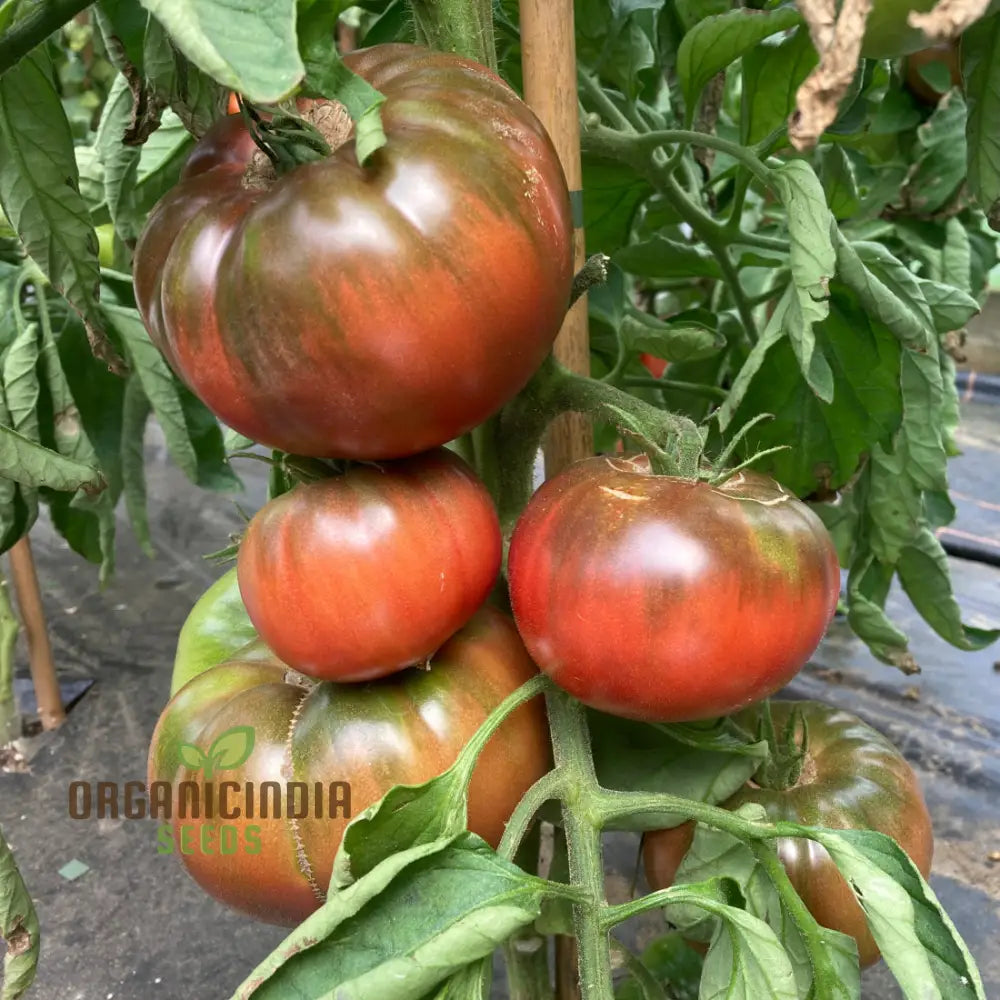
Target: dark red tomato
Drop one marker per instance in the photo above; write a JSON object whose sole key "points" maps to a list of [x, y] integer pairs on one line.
{"points": [[360, 575], [853, 779], [403, 729], [368, 312], [665, 599]]}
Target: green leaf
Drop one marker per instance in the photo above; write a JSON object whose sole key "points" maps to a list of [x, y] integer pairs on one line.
{"points": [[39, 183], [867, 588], [612, 194], [327, 76], [715, 42], [663, 258], [670, 960], [21, 391], [120, 162], [916, 937], [370, 940], [640, 757], [159, 385], [950, 307], [214, 471], [941, 168], [887, 288], [981, 75], [135, 415], [28, 462], [18, 928], [251, 48], [830, 439], [924, 575], [839, 182], [772, 75], [681, 338], [191, 757], [232, 748], [618, 41], [813, 262]]}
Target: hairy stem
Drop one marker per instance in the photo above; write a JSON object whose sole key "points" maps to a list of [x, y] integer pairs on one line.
{"points": [[461, 26], [10, 719], [695, 388]]}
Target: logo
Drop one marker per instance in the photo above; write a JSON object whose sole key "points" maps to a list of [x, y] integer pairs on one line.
{"points": [[221, 812], [229, 750]]}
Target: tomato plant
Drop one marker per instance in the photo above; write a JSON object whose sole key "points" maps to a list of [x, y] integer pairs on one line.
{"points": [[357, 576], [851, 778], [289, 347], [664, 599], [402, 729], [785, 246]]}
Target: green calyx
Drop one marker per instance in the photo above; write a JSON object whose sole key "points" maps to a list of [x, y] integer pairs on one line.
{"points": [[787, 750]]}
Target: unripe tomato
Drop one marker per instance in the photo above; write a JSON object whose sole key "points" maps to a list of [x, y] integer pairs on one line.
{"points": [[853, 779], [663, 599], [216, 628], [945, 54], [367, 312], [360, 575], [403, 729]]}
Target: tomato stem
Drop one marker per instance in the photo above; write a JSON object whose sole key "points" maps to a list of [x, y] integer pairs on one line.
{"points": [[461, 26]]}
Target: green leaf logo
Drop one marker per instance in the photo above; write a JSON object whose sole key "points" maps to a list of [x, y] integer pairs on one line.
{"points": [[229, 750]]}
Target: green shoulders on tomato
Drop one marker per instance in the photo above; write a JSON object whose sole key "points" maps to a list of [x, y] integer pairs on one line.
{"points": [[216, 628]]}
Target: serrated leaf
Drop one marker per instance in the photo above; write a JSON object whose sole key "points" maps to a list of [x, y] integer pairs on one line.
{"points": [[771, 78], [135, 415], [21, 390], [839, 182], [867, 588], [981, 75], [251, 48], [612, 194], [369, 940], [660, 257], [18, 923], [28, 462], [214, 471], [812, 261], [887, 288], [914, 933], [924, 575], [120, 163], [39, 183], [941, 168], [715, 42], [950, 307], [956, 256], [677, 339], [158, 384]]}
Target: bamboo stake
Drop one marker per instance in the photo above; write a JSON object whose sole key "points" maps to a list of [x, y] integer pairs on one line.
{"points": [[549, 63], [29, 600]]}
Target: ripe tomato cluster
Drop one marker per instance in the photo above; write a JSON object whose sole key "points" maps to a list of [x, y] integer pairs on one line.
{"points": [[372, 315]]}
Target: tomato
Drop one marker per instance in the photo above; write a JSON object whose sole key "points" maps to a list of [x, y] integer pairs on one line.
{"points": [[853, 779], [402, 729], [664, 599], [946, 53], [888, 34], [655, 366], [217, 627], [360, 575], [371, 312]]}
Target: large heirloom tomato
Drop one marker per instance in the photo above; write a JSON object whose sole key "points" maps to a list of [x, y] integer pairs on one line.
{"points": [[664, 599], [360, 575], [215, 629], [402, 729], [367, 312], [853, 779]]}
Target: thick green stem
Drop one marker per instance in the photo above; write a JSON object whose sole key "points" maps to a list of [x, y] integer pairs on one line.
{"points": [[32, 29], [461, 26], [10, 719], [571, 749]]}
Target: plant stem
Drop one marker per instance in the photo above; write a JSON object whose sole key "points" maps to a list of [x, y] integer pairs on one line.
{"points": [[549, 786], [10, 719], [696, 388], [571, 748], [461, 26], [593, 272], [32, 29], [825, 976]]}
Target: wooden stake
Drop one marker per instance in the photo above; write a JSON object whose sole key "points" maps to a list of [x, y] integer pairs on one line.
{"points": [[29, 600], [549, 63]]}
